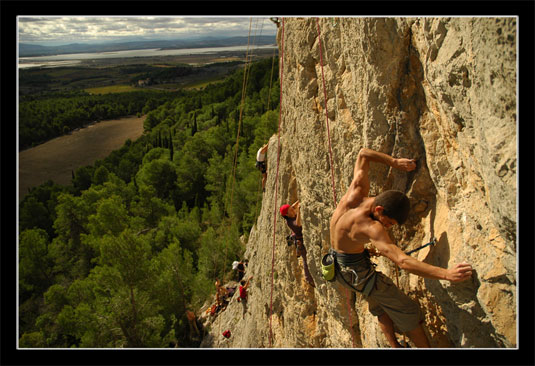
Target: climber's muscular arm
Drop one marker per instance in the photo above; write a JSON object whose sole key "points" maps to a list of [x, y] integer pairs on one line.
{"points": [[360, 185], [296, 206], [380, 239], [367, 155]]}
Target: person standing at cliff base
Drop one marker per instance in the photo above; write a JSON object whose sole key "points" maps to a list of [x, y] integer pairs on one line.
{"points": [[192, 320], [261, 164], [292, 215], [358, 220]]}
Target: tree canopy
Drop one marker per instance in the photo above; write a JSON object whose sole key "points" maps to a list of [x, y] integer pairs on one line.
{"points": [[116, 258]]}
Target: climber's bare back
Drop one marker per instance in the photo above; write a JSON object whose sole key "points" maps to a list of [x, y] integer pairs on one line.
{"points": [[350, 225], [351, 215]]}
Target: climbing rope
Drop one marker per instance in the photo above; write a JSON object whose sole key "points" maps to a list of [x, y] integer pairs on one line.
{"points": [[260, 197], [332, 169], [326, 113], [271, 78], [228, 206], [276, 189], [397, 283]]}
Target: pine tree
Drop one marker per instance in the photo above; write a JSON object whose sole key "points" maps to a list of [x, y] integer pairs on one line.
{"points": [[194, 129], [171, 148]]}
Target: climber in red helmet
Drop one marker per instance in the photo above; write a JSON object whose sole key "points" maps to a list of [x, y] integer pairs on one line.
{"points": [[358, 220], [292, 215]]}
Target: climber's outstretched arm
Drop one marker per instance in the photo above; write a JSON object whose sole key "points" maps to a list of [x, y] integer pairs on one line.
{"points": [[380, 239]]}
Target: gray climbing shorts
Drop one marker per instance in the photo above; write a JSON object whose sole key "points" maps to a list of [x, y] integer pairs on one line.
{"points": [[387, 298], [384, 297]]}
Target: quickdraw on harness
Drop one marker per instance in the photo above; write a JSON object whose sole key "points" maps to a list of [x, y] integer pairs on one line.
{"points": [[432, 242], [291, 239]]}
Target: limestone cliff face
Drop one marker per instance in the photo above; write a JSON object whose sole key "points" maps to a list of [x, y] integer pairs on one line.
{"points": [[440, 90]]}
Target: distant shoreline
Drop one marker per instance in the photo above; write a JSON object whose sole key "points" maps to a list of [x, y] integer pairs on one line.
{"points": [[195, 49], [192, 58]]}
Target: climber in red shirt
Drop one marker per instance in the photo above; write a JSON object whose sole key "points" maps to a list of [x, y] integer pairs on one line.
{"points": [[243, 294], [358, 220]]}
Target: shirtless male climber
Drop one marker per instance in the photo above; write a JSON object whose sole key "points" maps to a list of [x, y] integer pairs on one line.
{"points": [[359, 219]]}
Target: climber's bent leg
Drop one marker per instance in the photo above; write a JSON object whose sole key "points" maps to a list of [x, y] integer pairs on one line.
{"points": [[387, 326], [403, 311], [418, 337], [308, 276]]}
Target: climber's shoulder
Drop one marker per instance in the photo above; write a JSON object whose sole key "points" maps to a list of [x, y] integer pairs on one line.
{"points": [[347, 214]]}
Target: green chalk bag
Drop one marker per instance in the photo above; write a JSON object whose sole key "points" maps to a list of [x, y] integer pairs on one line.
{"points": [[327, 267]]}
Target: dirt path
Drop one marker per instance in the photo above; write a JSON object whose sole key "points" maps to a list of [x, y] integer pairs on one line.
{"points": [[57, 158]]}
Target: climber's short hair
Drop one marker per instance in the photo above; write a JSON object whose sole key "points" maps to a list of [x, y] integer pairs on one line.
{"points": [[396, 205]]}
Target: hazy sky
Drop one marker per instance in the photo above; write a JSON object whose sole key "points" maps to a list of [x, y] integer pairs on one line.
{"points": [[86, 29]]}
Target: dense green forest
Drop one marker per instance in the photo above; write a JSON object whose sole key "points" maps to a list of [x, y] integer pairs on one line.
{"points": [[53, 101], [116, 258], [50, 115]]}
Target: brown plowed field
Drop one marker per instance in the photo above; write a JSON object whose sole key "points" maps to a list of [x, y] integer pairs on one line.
{"points": [[57, 158]]}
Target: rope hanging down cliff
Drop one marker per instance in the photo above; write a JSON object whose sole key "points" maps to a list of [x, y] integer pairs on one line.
{"points": [[276, 187], [228, 206], [332, 167]]}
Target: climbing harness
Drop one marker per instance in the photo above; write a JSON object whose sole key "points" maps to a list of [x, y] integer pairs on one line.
{"points": [[330, 269], [432, 243], [291, 239]]}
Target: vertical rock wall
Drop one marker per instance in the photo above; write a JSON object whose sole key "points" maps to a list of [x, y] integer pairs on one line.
{"points": [[440, 90]]}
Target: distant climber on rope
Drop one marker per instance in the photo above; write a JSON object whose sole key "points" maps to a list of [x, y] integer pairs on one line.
{"points": [[261, 164], [292, 216], [359, 219], [243, 294], [240, 268]]}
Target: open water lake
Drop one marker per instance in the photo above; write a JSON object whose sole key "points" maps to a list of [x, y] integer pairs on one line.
{"points": [[56, 159], [77, 58]]}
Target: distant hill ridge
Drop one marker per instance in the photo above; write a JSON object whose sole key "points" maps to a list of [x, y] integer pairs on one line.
{"points": [[30, 50]]}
